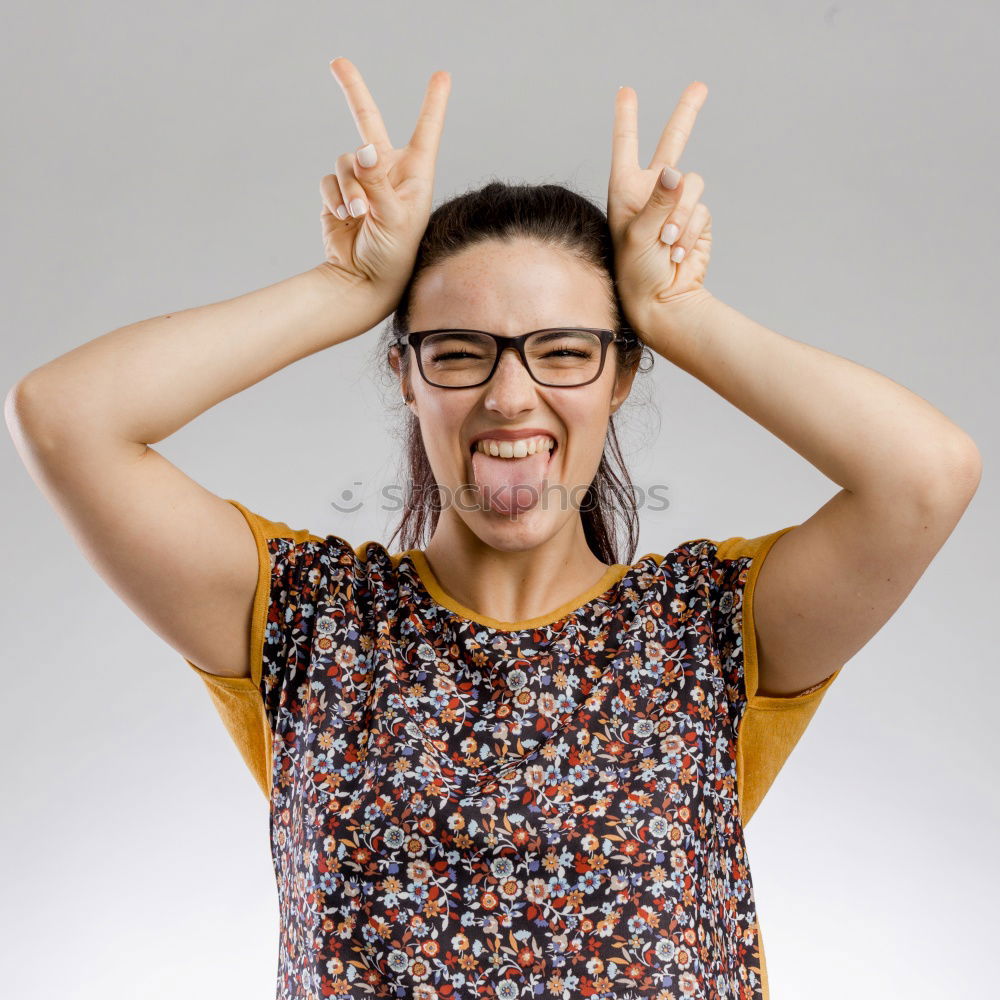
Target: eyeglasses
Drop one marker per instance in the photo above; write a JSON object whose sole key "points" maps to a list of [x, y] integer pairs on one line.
{"points": [[564, 357]]}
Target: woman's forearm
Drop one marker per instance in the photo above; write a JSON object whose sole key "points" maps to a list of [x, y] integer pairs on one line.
{"points": [[862, 430], [144, 381]]}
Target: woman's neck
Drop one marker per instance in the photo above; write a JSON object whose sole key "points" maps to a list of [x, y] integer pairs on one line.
{"points": [[512, 584]]}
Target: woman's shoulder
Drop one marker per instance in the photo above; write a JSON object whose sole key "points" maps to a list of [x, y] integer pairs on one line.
{"points": [[710, 552], [280, 536]]}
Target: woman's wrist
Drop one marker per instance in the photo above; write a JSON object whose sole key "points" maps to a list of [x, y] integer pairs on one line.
{"points": [[673, 329], [360, 297]]}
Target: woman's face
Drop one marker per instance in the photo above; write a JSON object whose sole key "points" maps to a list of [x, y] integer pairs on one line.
{"points": [[510, 289]]}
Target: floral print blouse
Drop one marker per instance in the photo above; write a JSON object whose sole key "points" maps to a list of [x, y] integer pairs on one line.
{"points": [[462, 807]]}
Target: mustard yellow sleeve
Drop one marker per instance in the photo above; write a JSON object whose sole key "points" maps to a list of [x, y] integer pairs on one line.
{"points": [[238, 700], [768, 728]]}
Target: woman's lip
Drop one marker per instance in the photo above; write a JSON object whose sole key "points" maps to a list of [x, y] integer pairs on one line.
{"points": [[513, 435]]}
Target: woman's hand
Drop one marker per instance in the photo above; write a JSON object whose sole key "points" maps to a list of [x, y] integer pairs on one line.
{"points": [[376, 243], [641, 212]]}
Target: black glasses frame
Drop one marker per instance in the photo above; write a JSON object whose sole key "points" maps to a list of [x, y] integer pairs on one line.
{"points": [[415, 338]]}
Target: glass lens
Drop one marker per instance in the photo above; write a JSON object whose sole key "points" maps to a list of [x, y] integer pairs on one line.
{"points": [[555, 357], [563, 357]]}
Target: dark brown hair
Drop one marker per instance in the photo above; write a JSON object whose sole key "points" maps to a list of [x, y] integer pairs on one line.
{"points": [[552, 215]]}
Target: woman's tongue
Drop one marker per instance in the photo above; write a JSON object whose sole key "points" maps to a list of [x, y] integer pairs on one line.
{"points": [[510, 485]]}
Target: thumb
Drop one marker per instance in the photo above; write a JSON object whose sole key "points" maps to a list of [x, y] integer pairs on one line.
{"points": [[372, 171], [664, 197]]}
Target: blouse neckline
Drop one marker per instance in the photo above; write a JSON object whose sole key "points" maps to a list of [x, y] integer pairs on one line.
{"points": [[612, 575]]}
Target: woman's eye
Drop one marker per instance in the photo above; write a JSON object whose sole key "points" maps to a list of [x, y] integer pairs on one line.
{"points": [[450, 355]]}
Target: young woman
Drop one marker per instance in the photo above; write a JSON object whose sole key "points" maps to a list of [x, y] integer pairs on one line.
{"points": [[511, 760]]}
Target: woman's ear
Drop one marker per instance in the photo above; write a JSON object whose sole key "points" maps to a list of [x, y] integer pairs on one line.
{"points": [[623, 386], [394, 363]]}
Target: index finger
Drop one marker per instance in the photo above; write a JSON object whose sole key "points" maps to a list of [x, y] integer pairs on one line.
{"points": [[678, 129], [362, 104], [426, 136], [625, 134]]}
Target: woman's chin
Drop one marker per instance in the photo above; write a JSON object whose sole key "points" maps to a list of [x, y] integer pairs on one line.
{"points": [[513, 535], [516, 529]]}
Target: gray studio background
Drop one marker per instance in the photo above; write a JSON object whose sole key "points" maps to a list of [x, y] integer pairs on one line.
{"points": [[161, 156]]}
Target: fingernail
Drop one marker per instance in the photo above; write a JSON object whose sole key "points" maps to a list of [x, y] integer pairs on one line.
{"points": [[677, 254], [670, 178], [367, 155], [670, 233], [358, 207], [341, 212]]}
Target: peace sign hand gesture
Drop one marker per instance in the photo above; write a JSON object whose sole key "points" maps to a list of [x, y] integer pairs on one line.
{"points": [[651, 223], [374, 215]]}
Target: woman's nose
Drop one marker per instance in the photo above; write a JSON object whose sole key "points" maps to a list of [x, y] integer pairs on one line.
{"points": [[510, 368], [511, 382]]}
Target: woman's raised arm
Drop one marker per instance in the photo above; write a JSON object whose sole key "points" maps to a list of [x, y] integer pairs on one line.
{"points": [[181, 557]]}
